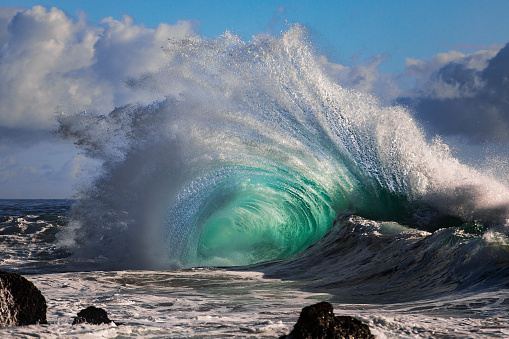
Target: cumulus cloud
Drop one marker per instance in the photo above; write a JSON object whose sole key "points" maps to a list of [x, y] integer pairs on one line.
{"points": [[364, 77], [465, 96], [48, 59], [447, 75], [51, 61], [6, 14], [462, 97]]}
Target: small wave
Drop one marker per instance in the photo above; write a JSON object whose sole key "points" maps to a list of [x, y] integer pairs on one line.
{"points": [[29, 242], [366, 261]]}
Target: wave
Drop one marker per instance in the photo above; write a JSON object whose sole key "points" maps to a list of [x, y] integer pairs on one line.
{"points": [[365, 261], [250, 155]]}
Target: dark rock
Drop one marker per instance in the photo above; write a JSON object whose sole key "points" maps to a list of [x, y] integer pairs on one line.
{"points": [[21, 303], [92, 315], [319, 321]]}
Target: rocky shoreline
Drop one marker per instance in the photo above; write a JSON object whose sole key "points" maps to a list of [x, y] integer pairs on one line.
{"points": [[22, 303]]}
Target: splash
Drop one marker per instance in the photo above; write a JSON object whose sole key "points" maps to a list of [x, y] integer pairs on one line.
{"points": [[251, 155]]}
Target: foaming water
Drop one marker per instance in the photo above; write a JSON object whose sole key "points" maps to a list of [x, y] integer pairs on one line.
{"points": [[401, 281], [251, 155]]}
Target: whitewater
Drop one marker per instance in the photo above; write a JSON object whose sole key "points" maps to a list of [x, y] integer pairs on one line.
{"points": [[255, 185]]}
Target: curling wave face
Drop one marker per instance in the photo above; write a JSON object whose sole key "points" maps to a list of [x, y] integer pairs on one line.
{"points": [[250, 156]]}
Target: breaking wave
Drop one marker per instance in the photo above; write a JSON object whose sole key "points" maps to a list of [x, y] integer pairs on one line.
{"points": [[250, 155]]}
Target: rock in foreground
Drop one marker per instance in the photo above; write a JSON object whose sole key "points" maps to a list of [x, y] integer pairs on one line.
{"points": [[92, 315], [21, 303], [319, 321]]}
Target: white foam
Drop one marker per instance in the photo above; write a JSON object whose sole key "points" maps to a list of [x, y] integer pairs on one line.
{"points": [[219, 303]]}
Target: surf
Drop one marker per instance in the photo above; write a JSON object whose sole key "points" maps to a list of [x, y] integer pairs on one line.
{"points": [[249, 156]]}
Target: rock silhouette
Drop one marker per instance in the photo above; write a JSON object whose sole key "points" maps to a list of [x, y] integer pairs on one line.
{"points": [[319, 321], [21, 303], [92, 315]]}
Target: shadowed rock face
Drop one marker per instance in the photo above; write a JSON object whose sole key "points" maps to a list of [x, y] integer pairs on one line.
{"points": [[92, 315], [319, 321], [21, 303]]}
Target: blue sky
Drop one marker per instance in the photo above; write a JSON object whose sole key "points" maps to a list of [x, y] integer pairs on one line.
{"points": [[347, 31], [444, 58]]}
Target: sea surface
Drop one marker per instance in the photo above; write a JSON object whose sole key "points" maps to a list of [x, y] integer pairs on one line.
{"points": [[255, 186], [402, 283]]}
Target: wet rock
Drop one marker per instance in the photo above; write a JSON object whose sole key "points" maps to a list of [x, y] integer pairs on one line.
{"points": [[92, 315], [319, 321], [21, 303]]}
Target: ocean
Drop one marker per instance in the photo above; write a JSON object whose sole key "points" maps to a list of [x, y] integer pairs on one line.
{"points": [[402, 283], [256, 186]]}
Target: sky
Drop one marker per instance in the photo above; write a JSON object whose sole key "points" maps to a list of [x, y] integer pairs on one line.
{"points": [[445, 59]]}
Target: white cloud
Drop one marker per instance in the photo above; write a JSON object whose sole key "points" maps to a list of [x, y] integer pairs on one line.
{"points": [[364, 77], [6, 14], [456, 95], [465, 96], [462, 97], [448, 75], [48, 60]]}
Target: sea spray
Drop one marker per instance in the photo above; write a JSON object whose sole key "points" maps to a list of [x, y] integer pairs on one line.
{"points": [[250, 156]]}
